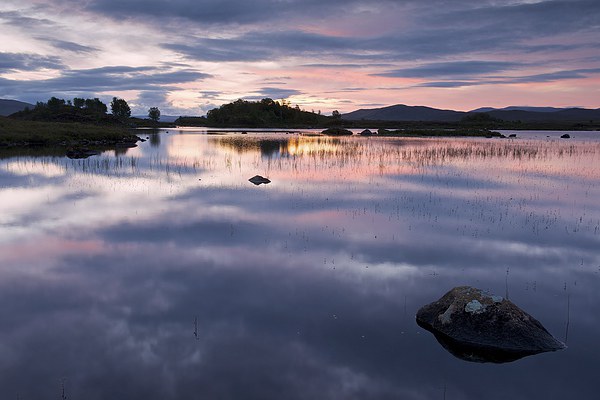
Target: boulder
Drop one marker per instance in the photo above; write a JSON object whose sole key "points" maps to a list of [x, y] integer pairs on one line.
{"points": [[258, 180], [566, 136], [480, 327], [366, 132]]}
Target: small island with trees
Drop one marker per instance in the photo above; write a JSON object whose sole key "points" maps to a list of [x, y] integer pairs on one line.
{"points": [[73, 123]]}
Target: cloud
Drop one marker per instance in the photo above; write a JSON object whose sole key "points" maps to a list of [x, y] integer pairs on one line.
{"points": [[274, 93], [90, 82], [69, 46], [28, 62], [450, 84], [257, 46], [509, 80], [18, 19], [556, 76], [227, 12], [116, 78], [450, 69]]}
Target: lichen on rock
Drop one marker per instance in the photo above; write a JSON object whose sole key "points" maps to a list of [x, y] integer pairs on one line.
{"points": [[474, 307]]}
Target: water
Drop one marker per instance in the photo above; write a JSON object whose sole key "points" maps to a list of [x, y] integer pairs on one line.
{"points": [[162, 273]]}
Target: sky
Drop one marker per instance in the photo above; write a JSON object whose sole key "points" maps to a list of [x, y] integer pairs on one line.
{"points": [[189, 56]]}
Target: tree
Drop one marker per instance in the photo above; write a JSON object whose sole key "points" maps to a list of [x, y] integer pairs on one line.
{"points": [[154, 114], [78, 102], [336, 114], [95, 106], [120, 109], [55, 104]]}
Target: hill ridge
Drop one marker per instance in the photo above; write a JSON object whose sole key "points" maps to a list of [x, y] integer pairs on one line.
{"points": [[402, 112], [9, 106]]}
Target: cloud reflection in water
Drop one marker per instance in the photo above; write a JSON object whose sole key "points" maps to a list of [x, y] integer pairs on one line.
{"points": [[303, 288]]}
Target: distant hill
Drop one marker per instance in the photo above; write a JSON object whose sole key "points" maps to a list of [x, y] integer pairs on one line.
{"points": [[565, 115], [401, 112], [8, 107], [518, 108]]}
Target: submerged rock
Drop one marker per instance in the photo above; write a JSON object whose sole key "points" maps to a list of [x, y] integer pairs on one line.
{"points": [[476, 326], [257, 180], [566, 136]]}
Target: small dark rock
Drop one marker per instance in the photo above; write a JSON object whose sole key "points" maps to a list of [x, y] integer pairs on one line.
{"points": [[258, 180], [366, 132], [512, 135], [476, 326], [337, 132], [565, 136]]}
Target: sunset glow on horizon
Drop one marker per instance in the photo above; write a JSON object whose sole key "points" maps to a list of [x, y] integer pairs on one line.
{"points": [[187, 57]]}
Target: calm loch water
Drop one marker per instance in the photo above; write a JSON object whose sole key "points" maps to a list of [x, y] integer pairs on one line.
{"points": [[162, 273]]}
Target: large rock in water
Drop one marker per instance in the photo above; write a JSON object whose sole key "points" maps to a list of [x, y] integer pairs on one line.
{"points": [[476, 326]]}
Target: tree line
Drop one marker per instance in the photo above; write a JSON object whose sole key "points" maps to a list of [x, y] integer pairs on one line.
{"points": [[264, 113], [79, 109]]}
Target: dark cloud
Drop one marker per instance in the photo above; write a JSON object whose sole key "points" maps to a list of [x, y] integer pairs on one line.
{"points": [[479, 31], [451, 69], [274, 93], [556, 76], [255, 46], [233, 12], [542, 18], [20, 20], [450, 84], [508, 80], [211, 94], [28, 62], [69, 46], [105, 79], [350, 66]]}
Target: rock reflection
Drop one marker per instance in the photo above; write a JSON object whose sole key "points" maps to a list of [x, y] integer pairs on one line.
{"points": [[476, 353]]}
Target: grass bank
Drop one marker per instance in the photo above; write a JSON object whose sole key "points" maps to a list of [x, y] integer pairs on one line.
{"points": [[37, 133]]}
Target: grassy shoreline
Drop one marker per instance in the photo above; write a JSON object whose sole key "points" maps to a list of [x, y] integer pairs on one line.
{"points": [[16, 133]]}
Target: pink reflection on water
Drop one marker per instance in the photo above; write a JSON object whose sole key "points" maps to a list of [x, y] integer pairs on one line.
{"points": [[40, 251]]}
